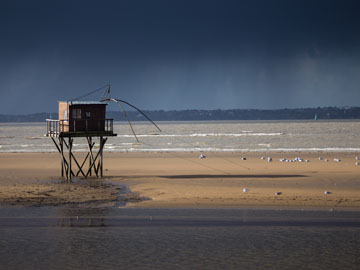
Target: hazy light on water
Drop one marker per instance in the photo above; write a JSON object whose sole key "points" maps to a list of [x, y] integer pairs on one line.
{"points": [[333, 136]]}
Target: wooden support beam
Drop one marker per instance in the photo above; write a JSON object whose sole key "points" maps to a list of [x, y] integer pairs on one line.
{"points": [[64, 163], [66, 166], [95, 161], [81, 166], [62, 157], [75, 160], [77, 164], [102, 144], [70, 153], [86, 157], [59, 148], [97, 155], [91, 157]]}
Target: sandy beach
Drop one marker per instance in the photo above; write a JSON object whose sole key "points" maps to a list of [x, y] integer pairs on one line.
{"points": [[184, 180]]}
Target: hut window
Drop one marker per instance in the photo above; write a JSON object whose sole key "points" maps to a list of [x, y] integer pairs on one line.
{"points": [[88, 114], [65, 115], [76, 113]]}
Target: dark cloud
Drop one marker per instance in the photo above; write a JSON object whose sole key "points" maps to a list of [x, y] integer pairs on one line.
{"points": [[180, 54]]}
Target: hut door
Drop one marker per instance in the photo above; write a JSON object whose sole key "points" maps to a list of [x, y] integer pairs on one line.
{"points": [[79, 125]]}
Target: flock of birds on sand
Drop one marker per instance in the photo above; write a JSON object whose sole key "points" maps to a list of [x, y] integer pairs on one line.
{"points": [[296, 159]]}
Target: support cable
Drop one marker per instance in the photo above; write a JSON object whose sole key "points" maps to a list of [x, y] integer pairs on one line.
{"points": [[92, 92]]}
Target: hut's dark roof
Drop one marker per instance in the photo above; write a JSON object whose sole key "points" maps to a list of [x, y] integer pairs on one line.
{"points": [[85, 102]]}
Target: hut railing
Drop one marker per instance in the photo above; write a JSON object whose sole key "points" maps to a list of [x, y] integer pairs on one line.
{"points": [[55, 127], [52, 127]]}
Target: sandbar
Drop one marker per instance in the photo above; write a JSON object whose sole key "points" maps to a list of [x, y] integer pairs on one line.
{"points": [[172, 179]]}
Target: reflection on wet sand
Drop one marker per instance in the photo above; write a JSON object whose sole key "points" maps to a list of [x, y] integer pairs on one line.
{"points": [[123, 238], [82, 217]]}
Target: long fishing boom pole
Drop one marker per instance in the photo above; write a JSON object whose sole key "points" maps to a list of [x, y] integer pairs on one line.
{"points": [[127, 103]]}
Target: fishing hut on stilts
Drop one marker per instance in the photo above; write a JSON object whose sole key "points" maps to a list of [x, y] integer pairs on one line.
{"points": [[80, 119], [84, 119]]}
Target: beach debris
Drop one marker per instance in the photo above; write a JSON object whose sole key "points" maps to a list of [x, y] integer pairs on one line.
{"points": [[269, 159], [277, 193], [202, 156], [327, 192], [263, 158], [337, 160], [245, 190], [243, 158]]}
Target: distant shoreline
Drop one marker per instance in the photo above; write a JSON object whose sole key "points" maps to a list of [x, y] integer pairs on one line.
{"points": [[323, 113]]}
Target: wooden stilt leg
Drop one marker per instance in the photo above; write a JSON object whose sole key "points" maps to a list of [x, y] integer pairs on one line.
{"points": [[101, 156], [61, 150], [70, 154], [65, 165]]}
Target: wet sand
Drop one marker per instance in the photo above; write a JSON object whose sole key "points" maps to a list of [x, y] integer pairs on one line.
{"points": [[184, 180]]}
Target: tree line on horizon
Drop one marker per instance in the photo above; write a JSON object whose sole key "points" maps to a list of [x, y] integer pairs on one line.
{"points": [[320, 113]]}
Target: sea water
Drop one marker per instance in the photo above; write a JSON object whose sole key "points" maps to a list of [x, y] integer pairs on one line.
{"points": [[219, 136], [120, 238], [70, 237]]}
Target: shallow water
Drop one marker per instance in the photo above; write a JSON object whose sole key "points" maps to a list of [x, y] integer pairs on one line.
{"points": [[122, 238], [220, 136]]}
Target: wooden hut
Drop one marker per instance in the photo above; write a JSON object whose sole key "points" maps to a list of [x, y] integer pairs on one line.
{"points": [[81, 116], [80, 119]]}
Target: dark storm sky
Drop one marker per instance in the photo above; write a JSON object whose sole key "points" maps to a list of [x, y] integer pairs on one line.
{"points": [[179, 54]]}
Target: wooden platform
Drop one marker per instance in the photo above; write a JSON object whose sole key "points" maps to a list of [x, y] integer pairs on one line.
{"points": [[80, 128], [86, 134]]}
